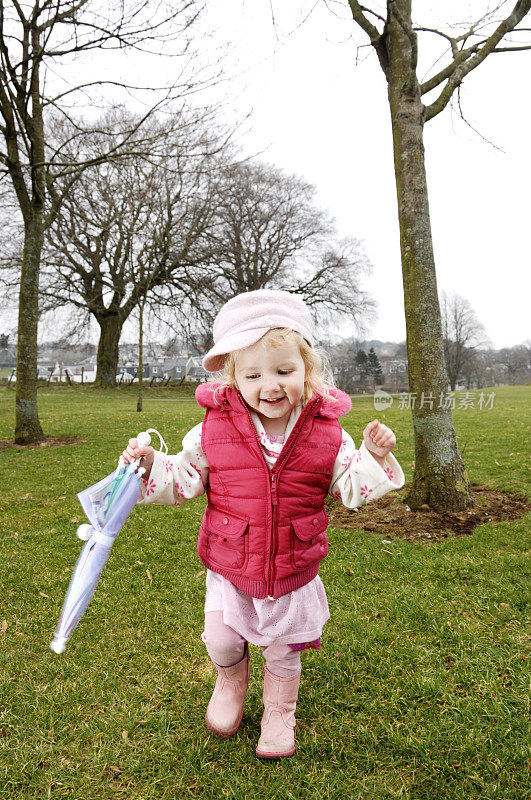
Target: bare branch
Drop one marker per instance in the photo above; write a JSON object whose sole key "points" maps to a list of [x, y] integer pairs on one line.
{"points": [[445, 73], [377, 39], [509, 24], [357, 12], [478, 133], [373, 13], [511, 49]]}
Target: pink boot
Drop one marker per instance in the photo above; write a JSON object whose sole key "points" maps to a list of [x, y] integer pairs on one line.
{"points": [[278, 723], [225, 709]]}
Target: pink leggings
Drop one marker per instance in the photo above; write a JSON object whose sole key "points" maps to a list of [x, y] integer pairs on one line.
{"points": [[226, 647]]}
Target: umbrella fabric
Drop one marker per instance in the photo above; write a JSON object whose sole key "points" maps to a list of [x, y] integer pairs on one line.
{"points": [[107, 505]]}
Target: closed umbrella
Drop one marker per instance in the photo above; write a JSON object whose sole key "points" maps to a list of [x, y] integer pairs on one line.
{"points": [[107, 505]]}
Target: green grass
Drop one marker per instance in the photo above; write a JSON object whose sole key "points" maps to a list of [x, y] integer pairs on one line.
{"points": [[419, 691]]}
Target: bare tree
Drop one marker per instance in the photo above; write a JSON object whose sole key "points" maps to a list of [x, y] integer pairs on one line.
{"points": [[462, 334], [401, 350], [129, 228], [267, 232], [475, 369], [439, 479], [37, 42], [517, 363]]}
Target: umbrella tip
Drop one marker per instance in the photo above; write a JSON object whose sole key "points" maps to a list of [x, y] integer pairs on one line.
{"points": [[58, 645]]}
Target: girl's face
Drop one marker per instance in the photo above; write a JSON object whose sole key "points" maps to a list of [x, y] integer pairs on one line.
{"points": [[271, 381]]}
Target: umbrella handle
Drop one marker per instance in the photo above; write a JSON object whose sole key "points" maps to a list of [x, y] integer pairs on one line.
{"points": [[163, 446], [144, 439]]}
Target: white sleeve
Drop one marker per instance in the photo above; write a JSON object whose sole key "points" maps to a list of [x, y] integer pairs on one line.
{"points": [[357, 477], [177, 478]]}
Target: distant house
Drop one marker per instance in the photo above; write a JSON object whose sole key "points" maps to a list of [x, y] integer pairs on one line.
{"points": [[126, 374], [82, 372], [395, 372], [178, 368], [393, 366], [196, 373], [155, 369], [152, 368]]}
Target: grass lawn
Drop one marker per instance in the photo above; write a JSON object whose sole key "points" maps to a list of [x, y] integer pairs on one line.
{"points": [[420, 689]]}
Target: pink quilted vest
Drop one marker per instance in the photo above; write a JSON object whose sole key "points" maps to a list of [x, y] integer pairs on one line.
{"points": [[265, 529]]}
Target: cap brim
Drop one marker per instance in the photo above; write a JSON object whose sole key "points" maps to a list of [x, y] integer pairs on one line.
{"points": [[215, 358]]}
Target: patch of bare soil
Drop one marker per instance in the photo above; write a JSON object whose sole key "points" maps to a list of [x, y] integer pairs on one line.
{"points": [[51, 441], [392, 517]]}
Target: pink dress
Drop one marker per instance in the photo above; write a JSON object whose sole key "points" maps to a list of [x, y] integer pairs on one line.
{"points": [[297, 618]]}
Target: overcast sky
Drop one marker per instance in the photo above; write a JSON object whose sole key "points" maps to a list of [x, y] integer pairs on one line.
{"points": [[318, 114]]}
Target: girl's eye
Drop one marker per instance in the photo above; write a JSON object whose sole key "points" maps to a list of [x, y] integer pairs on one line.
{"points": [[284, 372], [252, 377]]}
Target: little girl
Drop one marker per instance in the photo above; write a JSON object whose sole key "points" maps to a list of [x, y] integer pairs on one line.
{"points": [[269, 451]]}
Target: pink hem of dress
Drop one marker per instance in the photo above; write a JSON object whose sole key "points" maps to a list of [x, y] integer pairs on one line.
{"points": [[315, 645]]}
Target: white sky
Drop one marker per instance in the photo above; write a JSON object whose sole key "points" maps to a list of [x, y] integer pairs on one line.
{"points": [[317, 114]]}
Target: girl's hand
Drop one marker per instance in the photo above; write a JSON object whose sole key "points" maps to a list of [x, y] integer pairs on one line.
{"points": [[134, 451], [378, 438]]}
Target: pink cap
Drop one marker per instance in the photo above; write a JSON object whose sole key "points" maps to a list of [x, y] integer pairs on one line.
{"points": [[244, 319]]}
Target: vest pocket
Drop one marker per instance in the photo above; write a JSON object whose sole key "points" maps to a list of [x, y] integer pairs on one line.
{"points": [[226, 544], [309, 540]]}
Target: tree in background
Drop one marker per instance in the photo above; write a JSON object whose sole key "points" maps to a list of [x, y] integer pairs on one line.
{"points": [[439, 478], [128, 230], [267, 232], [362, 362], [38, 41], [375, 368], [462, 334], [174, 233], [517, 363], [400, 350]]}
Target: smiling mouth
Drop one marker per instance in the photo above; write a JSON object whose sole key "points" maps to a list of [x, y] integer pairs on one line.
{"points": [[274, 401]]}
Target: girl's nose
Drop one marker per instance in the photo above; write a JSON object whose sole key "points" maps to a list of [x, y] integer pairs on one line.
{"points": [[272, 384]]}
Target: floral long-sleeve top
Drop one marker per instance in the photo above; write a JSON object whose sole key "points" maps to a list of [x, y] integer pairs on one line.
{"points": [[357, 477]]}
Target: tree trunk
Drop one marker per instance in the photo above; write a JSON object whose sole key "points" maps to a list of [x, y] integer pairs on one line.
{"points": [[27, 426], [439, 478], [140, 356], [107, 359]]}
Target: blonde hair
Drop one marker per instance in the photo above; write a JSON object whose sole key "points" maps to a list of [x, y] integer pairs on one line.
{"points": [[318, 374]]}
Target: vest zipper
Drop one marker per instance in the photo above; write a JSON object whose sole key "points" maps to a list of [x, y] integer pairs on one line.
{"points": [[273, 474]]}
